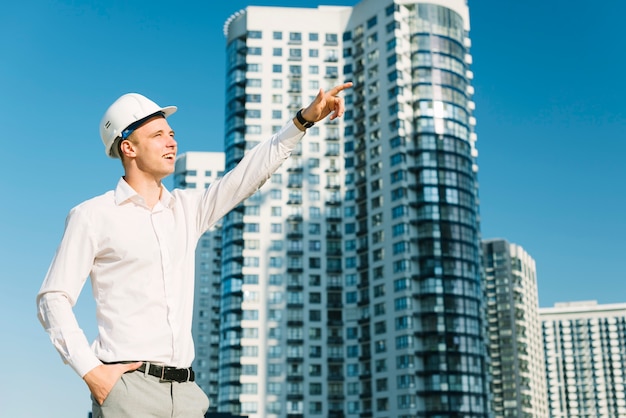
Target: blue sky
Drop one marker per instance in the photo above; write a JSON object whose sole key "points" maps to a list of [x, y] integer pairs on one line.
{"points": [[549, 81]]}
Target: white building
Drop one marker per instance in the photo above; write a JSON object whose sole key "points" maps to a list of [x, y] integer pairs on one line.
{"points": [[585, 350], [518, 379], [197, 170], [351, 282]]}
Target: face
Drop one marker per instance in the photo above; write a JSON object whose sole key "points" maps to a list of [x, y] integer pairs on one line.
{"points": [[152, 147]]}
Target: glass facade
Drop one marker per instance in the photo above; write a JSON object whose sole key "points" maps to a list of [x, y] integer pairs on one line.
{"points": [[444, 225]]}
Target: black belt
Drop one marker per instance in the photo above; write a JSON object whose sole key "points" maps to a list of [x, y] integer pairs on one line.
{"points": [[168, 374]]}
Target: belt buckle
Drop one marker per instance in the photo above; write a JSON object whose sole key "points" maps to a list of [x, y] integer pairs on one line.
{"points": [[162, 372], [188, 374]]}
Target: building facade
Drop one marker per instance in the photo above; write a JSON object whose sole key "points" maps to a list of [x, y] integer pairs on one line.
{"points": [[518, 379], [351, 282], [585, 351], [197, 170]]}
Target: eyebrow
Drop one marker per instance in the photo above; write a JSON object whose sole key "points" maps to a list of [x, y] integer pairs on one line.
{"points": [[171, 131]]}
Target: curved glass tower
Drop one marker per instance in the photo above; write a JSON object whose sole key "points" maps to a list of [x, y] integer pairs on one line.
{"points": [[352, 280], [444, 217]]}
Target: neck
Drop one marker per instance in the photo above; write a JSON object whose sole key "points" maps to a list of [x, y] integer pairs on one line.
{"points": [[148, 188]]}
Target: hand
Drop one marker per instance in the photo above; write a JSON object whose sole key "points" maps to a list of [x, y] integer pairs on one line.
{"points": [[326, 103], [101, 379]]}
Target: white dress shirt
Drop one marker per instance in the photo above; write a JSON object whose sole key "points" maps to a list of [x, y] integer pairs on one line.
{"points": [[141, 264]]}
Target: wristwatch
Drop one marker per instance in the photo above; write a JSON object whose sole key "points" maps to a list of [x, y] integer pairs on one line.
{"points": [[305, 123]]}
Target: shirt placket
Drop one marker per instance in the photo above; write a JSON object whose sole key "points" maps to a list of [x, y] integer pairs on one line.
{"points": [[160, 226]]}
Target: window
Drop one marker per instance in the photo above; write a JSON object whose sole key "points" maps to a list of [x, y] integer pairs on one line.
{"points": [[277, 35], [295, 37], [253, 113], [332, 71], [314, 370], [398, 159], [315, 333], [249, 369], [399, 229], [250, 314], [315, 388], [404, 361], [314, 212], [274, 370], [379, 290], [254, 34], [331, 38], [404, 341], [351, 297], [402, 303], [277, 68], [379, 309], [403, 322], [378, 254], [251, 278], [249, 333], [353, 369], [352, 351], [315, 351], [249, 407], [251, 227], [250, 98], [249, 388], [276, 279], [389, 10], [295, 53], [275, 194]]}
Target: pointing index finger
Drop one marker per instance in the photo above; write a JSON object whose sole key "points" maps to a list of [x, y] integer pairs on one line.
{"points": [[339, 88]]}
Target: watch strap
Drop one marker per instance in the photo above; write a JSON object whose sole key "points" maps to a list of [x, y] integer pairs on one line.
{"points": [[305, 123]]}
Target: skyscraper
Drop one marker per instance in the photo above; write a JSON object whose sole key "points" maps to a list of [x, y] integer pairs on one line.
{"points": [[518, 379], [585, 350], [197, 170], [351, 281]]}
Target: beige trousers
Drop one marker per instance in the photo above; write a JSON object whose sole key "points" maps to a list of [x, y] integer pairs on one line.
{"points": [[139, 395]]}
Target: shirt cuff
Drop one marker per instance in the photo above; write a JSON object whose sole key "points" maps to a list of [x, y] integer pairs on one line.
{"points": [[290, 135]]}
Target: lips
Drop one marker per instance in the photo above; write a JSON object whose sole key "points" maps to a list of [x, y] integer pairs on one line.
{"points": [[169, 156]]}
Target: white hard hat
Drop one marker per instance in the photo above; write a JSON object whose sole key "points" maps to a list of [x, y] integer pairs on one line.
{"points": [[129, 109]]}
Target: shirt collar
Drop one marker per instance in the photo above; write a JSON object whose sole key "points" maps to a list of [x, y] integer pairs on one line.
{"points": [[125, 193]]}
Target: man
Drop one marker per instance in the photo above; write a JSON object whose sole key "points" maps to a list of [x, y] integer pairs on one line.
{"points": [[137, 245]]}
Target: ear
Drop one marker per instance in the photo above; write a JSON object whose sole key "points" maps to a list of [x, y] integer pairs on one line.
{"points": [[127, 148]]}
